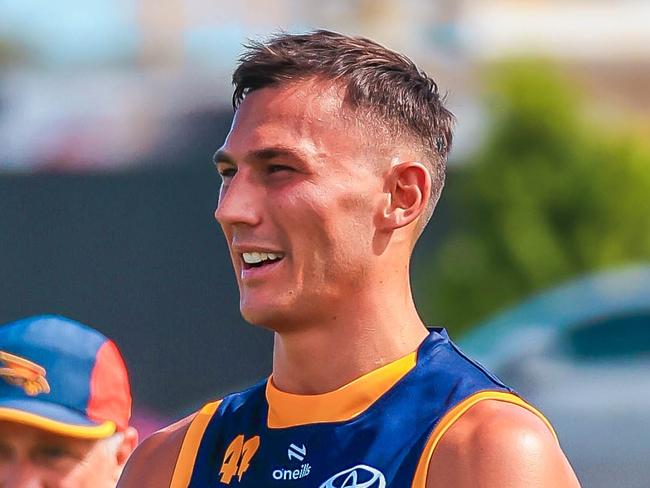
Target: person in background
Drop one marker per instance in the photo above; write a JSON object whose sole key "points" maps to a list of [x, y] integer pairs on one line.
{"points": [[65, 405]]}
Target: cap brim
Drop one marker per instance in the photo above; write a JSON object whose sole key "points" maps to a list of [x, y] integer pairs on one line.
{"points": [[54, 418]]}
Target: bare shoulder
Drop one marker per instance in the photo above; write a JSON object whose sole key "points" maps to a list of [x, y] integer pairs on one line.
{"points": [[152, 463], [499, 444]]}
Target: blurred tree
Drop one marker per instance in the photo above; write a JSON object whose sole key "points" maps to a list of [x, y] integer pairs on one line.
{"points": [[548, 197]]}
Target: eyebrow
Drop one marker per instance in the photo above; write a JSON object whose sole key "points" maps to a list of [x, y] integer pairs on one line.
{"points": [[264, 154]]}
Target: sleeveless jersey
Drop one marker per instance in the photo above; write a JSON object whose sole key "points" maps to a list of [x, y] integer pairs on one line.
{"points": [[378, 431]]}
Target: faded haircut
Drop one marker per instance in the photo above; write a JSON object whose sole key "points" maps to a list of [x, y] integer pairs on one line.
{"points": [[378, 83]]}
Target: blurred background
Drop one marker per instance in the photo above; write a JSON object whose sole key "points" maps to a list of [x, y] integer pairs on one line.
{"points": [[536, 259]]}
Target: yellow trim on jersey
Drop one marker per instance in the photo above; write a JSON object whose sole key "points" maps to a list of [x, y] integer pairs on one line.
{"points": [[190, 446], [101, 431], [345, 403], [420, 479]]}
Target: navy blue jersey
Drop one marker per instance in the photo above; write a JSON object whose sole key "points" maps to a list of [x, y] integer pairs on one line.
{"points": [[378, 431]]}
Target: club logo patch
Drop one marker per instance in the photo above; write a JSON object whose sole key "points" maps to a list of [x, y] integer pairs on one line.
{"points": [[20, 372], [360, 476]]}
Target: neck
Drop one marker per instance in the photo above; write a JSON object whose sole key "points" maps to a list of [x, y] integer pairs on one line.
{"points": [[367, 330]]}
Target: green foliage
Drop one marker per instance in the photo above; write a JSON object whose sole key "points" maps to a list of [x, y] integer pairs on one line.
{"points": [[548, 197]]}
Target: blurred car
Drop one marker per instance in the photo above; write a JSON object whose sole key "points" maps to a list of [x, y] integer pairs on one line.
{"points": [[581, 353]]}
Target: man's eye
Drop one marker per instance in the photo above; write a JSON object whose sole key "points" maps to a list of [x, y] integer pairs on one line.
{"points": [[227, 172], [276, 168], [52, 454], [6, 452]]}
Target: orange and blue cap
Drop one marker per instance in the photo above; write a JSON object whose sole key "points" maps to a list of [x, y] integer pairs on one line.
{"points": [[61, 376]]}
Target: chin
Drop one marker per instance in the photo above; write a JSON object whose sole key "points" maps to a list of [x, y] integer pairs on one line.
{"points": [[267, 316], [276, 317]]}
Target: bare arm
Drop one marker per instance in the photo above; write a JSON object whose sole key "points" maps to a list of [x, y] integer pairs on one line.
{"points": [[152, 464], [499, 445]]}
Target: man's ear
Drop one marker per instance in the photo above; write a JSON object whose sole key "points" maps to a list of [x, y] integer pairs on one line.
{"points": [[409, 187], [127, 446]]}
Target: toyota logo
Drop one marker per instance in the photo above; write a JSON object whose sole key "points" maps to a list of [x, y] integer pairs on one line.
{"points": [[360, 476]]}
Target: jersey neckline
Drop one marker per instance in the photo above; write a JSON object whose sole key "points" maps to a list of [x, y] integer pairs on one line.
{"points": [[340, 405]]}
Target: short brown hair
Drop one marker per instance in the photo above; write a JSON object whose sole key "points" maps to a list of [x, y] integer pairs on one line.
{"points": [[378, 81]]}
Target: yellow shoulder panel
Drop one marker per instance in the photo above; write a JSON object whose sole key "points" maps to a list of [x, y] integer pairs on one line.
{"points": [[189, 448], [420, 479]]}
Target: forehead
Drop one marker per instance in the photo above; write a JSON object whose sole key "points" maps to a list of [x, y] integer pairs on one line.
{"points": [[28, 436], [308, 115]]}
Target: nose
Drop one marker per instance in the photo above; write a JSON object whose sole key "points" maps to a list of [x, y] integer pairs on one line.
{"points": [[240, 201]]}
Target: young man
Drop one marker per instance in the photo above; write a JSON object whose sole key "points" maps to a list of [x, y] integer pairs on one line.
{"points": [[65, 404], [331, 170]]}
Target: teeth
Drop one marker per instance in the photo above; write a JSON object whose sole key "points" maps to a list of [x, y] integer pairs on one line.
{"points": [[258, 257], [252, 257]]}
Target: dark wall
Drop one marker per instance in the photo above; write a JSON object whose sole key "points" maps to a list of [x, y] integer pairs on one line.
{"points": [[139, 257]]}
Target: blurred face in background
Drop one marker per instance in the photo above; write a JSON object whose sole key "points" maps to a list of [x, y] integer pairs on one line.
{"points": [[33, 458], [297, 204]]}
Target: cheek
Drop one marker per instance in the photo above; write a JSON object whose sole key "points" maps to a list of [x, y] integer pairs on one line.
{"points": [[95, 471], [347, 228], [353, 202], [330, 225], [303, 214], [356, 215]]}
